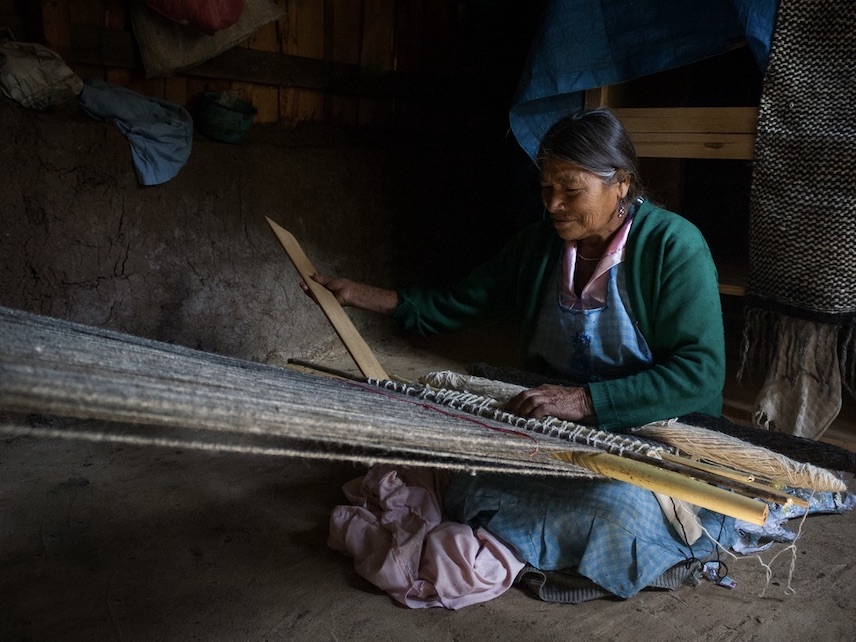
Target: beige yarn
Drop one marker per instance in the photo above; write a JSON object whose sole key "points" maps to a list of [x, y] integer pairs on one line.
{"points": [[450, 380], [726, 450]]}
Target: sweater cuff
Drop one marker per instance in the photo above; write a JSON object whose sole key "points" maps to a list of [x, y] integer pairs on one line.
{"points": [[405, 311], [604, 409]]}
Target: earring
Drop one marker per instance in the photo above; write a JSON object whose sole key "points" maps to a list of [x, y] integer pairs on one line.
{"points": [[622, 208]]}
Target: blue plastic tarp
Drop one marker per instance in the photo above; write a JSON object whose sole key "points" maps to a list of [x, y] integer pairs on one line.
{"points": [[583, 44]]}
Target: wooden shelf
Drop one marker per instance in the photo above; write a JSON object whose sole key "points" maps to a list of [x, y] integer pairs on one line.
{"points": [[691, 132]]}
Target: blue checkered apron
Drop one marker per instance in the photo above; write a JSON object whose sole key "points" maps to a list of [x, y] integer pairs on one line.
{"points": [[590, 345]]}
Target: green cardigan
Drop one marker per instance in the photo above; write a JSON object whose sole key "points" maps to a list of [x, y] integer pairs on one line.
{"points": [[674, 295]]}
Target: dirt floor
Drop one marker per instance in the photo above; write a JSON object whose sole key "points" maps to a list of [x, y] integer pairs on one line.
{"points": [[107, 542]]}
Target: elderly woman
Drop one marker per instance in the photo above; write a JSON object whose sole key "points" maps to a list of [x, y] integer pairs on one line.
{"points": [[617, 297]]}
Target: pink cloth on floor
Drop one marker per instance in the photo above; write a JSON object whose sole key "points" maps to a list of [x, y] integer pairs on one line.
{"points": [[395, 533]]}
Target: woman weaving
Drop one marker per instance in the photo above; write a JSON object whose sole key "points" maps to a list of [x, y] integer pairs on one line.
{"points": [[619, 298]]}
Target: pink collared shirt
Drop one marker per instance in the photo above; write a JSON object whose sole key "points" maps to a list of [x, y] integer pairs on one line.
{"points": [[593, 295]]}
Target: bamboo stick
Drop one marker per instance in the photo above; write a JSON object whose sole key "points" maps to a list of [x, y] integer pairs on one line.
{"points": [[670, 483], [747, 481]]}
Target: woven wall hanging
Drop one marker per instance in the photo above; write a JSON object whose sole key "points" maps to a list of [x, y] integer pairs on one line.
{"points": [[801, 297]]}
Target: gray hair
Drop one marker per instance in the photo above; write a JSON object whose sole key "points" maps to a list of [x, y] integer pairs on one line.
{"points": [[596, 141]]}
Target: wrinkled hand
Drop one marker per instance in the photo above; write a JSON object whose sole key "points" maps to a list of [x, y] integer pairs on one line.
{"points": [[562, 402], [356, 294]]}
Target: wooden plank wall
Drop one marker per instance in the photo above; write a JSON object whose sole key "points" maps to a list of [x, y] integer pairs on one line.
{"points": [[373, 37]]}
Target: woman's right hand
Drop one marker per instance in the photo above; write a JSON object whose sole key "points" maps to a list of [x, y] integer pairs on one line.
{"points": [[356, 294], [550, 400]]}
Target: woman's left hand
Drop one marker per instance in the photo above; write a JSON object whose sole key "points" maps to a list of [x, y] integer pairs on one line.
{"points": [[562, 402]]}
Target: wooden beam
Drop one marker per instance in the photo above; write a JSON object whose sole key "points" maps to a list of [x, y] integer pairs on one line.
{"points": [[692, 145], [106, 47], [692, 132], [670, 483], [697, 120]]}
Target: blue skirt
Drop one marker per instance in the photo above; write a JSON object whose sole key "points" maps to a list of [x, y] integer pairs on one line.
{"points": [[611, 532]]}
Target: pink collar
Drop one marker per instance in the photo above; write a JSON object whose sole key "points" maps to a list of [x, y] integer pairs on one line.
{"points": [[594, 293]]}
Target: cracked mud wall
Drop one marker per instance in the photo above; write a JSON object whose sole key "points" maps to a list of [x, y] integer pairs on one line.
{"points": [[191, 261]]}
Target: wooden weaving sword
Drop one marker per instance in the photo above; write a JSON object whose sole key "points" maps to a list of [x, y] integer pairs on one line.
{"points": [[355, 344]]}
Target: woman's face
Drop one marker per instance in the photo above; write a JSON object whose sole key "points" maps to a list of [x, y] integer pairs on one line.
{"points": [[581, 205]]}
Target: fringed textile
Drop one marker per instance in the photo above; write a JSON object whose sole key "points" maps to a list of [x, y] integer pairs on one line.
{"points": [[803, 219]]}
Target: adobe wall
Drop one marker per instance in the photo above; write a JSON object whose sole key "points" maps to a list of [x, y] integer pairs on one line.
{"points": [[193, 261]]}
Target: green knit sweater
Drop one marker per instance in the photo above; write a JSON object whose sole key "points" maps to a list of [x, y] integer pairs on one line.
{"points": [[674, 296]]}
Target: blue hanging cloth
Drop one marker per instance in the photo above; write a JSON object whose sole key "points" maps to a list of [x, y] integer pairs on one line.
{"points": [[160, 132], [583, 44]]}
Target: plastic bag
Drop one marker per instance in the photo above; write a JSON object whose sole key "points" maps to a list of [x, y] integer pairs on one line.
{"points": [[35, 76]]}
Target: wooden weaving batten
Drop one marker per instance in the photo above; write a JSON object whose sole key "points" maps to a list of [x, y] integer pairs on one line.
{"points": [[715, 475], [355, 344]]}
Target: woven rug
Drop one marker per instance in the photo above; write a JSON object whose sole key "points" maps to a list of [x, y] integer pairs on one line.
{"points": [[801, 298]]}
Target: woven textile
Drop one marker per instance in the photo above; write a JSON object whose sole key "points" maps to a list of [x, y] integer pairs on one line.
{"points": [[803, 224], [801, 295], [60, 379]]}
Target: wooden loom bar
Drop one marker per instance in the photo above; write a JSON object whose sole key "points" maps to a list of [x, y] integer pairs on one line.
{"points": [[681, 120], [355, 344], [691, 132], [710, 474], [747, 485]]}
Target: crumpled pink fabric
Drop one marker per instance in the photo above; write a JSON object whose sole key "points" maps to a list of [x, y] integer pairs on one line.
{"points": [[395, 533]]}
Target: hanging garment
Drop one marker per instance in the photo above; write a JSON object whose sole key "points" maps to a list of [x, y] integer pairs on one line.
{"points": [[160, 132]]}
